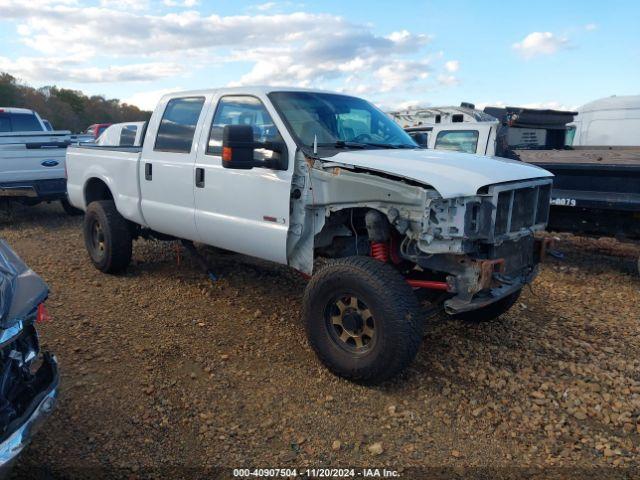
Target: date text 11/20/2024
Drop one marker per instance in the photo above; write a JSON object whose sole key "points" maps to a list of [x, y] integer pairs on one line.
{"points": [[315, 473]]}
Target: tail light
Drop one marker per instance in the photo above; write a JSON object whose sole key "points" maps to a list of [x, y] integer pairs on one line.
{"points": [[43, 315]]}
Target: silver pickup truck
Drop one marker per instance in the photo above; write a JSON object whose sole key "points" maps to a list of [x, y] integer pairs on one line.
{"points": [[290, 175]]}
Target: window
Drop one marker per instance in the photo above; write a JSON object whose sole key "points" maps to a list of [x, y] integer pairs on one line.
{"points": [[243, 110], [178, 125], [457, 140], [19, 122], [128, 136]]}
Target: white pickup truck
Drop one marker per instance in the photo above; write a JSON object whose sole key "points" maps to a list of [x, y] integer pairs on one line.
{"points": [[31, 159], [288, 175]]}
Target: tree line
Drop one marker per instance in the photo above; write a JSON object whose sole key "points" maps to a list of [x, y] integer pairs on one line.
{"points": [[67, 109]]}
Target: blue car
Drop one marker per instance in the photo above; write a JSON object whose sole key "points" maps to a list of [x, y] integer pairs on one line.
{"points": [[28, 378]]}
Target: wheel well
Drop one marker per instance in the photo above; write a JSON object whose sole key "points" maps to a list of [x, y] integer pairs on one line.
{"points": [[96, 189], [346, 232]]}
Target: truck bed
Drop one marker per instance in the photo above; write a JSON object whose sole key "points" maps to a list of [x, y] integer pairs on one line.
{"points": [[596, 190]]}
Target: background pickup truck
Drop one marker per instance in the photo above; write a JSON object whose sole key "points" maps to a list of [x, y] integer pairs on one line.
{"points": [[288, 175], [31, 159]]}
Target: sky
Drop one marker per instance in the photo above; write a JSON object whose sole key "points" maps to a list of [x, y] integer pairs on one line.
{"points": [[546, 54]]}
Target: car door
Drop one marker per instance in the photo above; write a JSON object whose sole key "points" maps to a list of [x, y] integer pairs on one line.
{"points": [[166, 168], [246, 211]]}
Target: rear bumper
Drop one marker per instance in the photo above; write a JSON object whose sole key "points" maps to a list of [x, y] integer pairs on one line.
{"points": [[50, 189], [41, 406]]}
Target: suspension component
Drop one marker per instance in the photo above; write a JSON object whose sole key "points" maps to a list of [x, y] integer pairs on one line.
{"points": [[429, 284], [380, 251]]}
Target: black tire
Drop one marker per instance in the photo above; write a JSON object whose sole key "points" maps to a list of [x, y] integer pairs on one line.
{"points": [[385, 305], [107, 237], [490, 312], [69, 209]]}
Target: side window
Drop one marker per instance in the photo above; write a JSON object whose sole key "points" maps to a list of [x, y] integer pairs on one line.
{"points": [[457, 140], [178, 125], [128, 135], [243, 110]]}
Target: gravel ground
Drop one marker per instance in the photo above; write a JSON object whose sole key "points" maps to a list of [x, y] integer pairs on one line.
{"points": [[162, 369]]}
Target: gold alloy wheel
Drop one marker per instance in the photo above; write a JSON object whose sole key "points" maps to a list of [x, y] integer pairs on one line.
{"points": [[351, 324]]}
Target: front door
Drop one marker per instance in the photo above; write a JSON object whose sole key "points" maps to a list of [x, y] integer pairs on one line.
{"points": [[246, 211]]}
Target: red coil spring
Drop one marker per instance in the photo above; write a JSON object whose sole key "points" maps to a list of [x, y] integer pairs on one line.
{"points": [[380, 251]]}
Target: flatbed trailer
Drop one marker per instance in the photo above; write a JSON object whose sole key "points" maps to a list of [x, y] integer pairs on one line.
{"points": [[596, 190]]}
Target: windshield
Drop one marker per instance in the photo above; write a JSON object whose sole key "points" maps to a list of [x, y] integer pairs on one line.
{"points": [[339, 121]]}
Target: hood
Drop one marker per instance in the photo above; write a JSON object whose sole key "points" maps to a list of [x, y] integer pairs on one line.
{"points": [[21, 290], [452, 174]]}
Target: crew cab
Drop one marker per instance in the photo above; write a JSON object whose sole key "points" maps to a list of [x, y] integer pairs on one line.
{"points": [[289, 175], [31, 159]]}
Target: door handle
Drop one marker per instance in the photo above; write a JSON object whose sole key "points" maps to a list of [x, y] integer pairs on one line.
{"points": [[200, 177], [148, 171]]}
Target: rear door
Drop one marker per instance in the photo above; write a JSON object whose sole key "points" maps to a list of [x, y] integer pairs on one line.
{"points": [[246, 211], [166, 167]]}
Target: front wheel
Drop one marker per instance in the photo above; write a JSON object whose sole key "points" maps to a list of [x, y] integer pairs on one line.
{"points": [[491, 311], [107, 237], [362, 319]]}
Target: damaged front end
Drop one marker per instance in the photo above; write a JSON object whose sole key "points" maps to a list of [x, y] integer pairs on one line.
{"points": [[470, 250], [28, 379], [485, 243]]}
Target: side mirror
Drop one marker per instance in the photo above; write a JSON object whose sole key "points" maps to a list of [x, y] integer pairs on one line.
{"points": [[237, 147], [238, 150]]}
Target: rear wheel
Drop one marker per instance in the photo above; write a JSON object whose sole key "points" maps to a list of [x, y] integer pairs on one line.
{"points": [[362, 319], [492, 311], [107, 237]]}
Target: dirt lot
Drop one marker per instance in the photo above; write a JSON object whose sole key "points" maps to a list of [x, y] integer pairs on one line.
{"points": [[163, 369]]}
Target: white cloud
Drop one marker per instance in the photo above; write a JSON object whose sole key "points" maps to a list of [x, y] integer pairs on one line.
{"points": [[181, 3], [147, 100], [401, 73], [304, 49], [452, 66], [263, 7], [540, 43], [50, 70], [127, 5], [448, 80], [590, 27]]}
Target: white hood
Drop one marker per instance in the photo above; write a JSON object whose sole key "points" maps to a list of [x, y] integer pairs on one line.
{"points": [[452, 174]]}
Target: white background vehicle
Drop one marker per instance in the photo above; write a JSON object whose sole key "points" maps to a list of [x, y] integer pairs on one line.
{"points": [[494, 131], [288, 175], [612, 121], [31, 158], [127, 134]]}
